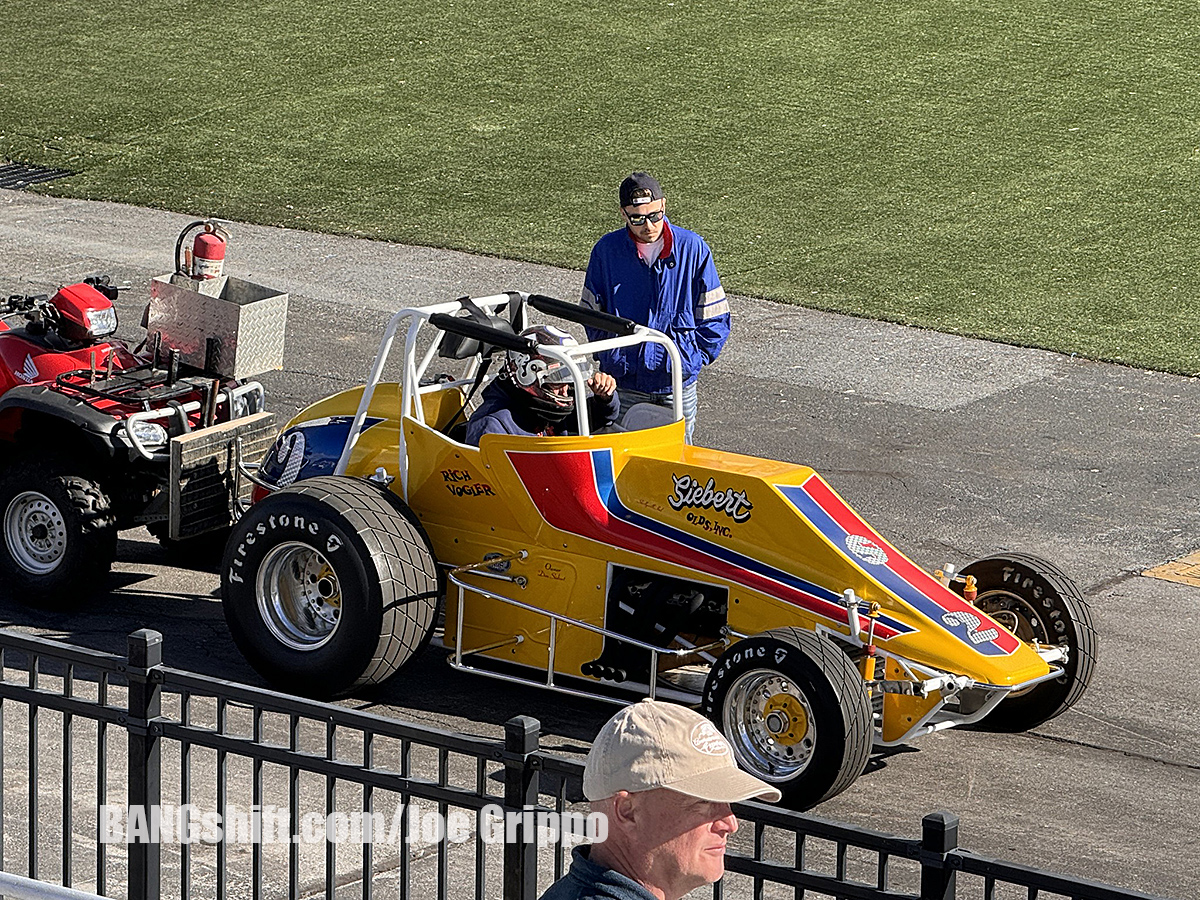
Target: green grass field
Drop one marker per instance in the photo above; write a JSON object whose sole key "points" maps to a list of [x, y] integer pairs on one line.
{"points": [[1023, 171]]}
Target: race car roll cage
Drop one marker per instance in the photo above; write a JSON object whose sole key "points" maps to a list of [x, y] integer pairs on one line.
{"points": [[442, 317]]}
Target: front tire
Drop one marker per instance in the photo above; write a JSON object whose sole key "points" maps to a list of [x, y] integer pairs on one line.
{"points": [[58, 533], [793, 707], [328, 586], [1037, 601]]}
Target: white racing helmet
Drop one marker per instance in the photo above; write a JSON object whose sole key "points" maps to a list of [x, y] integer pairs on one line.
{"points": [[533, 375]]}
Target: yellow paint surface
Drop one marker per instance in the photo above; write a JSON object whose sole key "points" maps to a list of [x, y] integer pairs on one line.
{"points": [[1182, 571]]}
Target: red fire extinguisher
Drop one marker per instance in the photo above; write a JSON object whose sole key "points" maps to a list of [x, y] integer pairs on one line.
{"points": [[205, 259]]}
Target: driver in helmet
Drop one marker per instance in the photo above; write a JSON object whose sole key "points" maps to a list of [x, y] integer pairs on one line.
{"points": [[534, 395]]}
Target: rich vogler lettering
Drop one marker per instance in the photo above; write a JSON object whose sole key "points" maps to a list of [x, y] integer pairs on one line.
{"points": [[475, 489]]}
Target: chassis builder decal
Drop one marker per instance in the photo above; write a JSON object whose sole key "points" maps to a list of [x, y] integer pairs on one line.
{"points": [[859, 543], [575, 492]]}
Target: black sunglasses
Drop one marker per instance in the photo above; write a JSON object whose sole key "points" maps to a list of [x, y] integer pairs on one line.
{"points": [[655, 216]]}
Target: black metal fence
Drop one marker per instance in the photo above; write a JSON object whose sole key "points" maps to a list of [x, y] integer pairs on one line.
{"points": [[223, 790]]}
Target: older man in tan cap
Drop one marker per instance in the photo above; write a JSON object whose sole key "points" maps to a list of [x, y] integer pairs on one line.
{"points": [[664, 777]]}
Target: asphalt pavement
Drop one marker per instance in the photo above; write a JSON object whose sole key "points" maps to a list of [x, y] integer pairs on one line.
{"points": [[952, 448]]}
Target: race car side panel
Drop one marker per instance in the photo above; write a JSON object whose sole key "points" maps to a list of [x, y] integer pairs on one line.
{"points": [[773, 534]]}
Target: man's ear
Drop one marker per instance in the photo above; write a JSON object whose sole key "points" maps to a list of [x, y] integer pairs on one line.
{"points": [[624, 807]]}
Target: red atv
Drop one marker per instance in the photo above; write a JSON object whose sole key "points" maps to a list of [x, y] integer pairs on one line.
{"points": [[96, 436]]}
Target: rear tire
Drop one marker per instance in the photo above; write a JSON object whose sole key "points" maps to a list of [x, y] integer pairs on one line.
{"points": [[795, 710], [58, 533], [327, 586], [1036, 600]]}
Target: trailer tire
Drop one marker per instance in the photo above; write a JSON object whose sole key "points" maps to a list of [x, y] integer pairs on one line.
{"points": [[794, 709], [328, 586]]}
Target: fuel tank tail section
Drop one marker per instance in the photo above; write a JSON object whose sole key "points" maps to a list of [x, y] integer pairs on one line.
{"points": [[312, 442]]}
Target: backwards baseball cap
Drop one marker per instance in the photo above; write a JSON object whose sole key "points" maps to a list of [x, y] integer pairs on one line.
{"points": [[639, 188], [653, 744]]}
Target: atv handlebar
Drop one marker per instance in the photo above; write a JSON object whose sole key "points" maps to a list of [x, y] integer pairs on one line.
{"points": [[17, 303], [582, 315]]}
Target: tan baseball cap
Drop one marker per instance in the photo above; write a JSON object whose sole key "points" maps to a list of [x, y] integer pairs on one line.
{"points": [[653, 744]]}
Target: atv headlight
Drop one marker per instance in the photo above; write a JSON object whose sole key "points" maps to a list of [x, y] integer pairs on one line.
{"points": [[148, 434], [102, 321]]}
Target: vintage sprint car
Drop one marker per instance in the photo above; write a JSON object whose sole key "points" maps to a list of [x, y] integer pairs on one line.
{"points": [[625, 564]]}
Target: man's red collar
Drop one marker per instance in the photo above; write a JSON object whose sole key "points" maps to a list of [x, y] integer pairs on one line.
{"points": [[668, 239]]}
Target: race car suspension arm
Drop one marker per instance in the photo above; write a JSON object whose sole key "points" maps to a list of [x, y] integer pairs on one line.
{"points": [[487, 568]]}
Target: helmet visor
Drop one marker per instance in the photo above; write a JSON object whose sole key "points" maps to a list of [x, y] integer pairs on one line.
{"points": [[557, 373]]}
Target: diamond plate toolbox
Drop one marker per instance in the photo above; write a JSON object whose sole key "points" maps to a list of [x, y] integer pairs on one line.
{"points": [[247, 322]]}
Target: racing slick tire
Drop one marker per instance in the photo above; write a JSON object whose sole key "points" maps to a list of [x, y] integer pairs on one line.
{"points": [[795, 711], [329, 586], [58, 533], [1036, 600]]}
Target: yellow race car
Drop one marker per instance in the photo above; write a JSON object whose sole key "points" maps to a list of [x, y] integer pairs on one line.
{"points": [[624, 564]]}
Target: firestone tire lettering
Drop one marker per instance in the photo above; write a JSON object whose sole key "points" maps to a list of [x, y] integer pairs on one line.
{"points": [[387, 591]]}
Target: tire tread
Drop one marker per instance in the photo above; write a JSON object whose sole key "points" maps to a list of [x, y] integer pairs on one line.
{"points": [[1085, 650], [396, 552]]}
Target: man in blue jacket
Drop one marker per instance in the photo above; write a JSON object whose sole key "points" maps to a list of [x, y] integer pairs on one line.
{"points": [[663, 276]]}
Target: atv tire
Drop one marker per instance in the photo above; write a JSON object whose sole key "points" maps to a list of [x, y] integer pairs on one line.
{"points": [[328, 586], [793, 707], [58, 533], [1035, 600]]}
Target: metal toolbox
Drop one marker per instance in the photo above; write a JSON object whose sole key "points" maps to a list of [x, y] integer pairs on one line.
{"points": [[237, 334]]}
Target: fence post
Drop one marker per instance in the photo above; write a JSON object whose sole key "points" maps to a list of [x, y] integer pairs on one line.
{"points": [[939, 836], [521, 782], [145, 785]]}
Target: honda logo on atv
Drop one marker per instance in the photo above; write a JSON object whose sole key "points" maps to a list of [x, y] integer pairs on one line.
{"points": [[866, 549], [28, 371]]}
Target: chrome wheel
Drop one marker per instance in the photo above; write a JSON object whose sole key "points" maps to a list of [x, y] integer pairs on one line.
{"points": [[1020, 617], [299, 597], [1040, 604], [770, 724], [35, 532], [1016, 614]]}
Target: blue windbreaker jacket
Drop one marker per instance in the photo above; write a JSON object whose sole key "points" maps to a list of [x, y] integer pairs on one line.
{"points": [[680, 295]]}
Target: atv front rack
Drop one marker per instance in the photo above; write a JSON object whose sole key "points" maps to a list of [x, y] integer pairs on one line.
{"points": [[491, 568], [239, 400]]}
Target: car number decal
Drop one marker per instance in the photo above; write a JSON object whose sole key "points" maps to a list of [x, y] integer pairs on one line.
{"points": [[830, 515]]}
